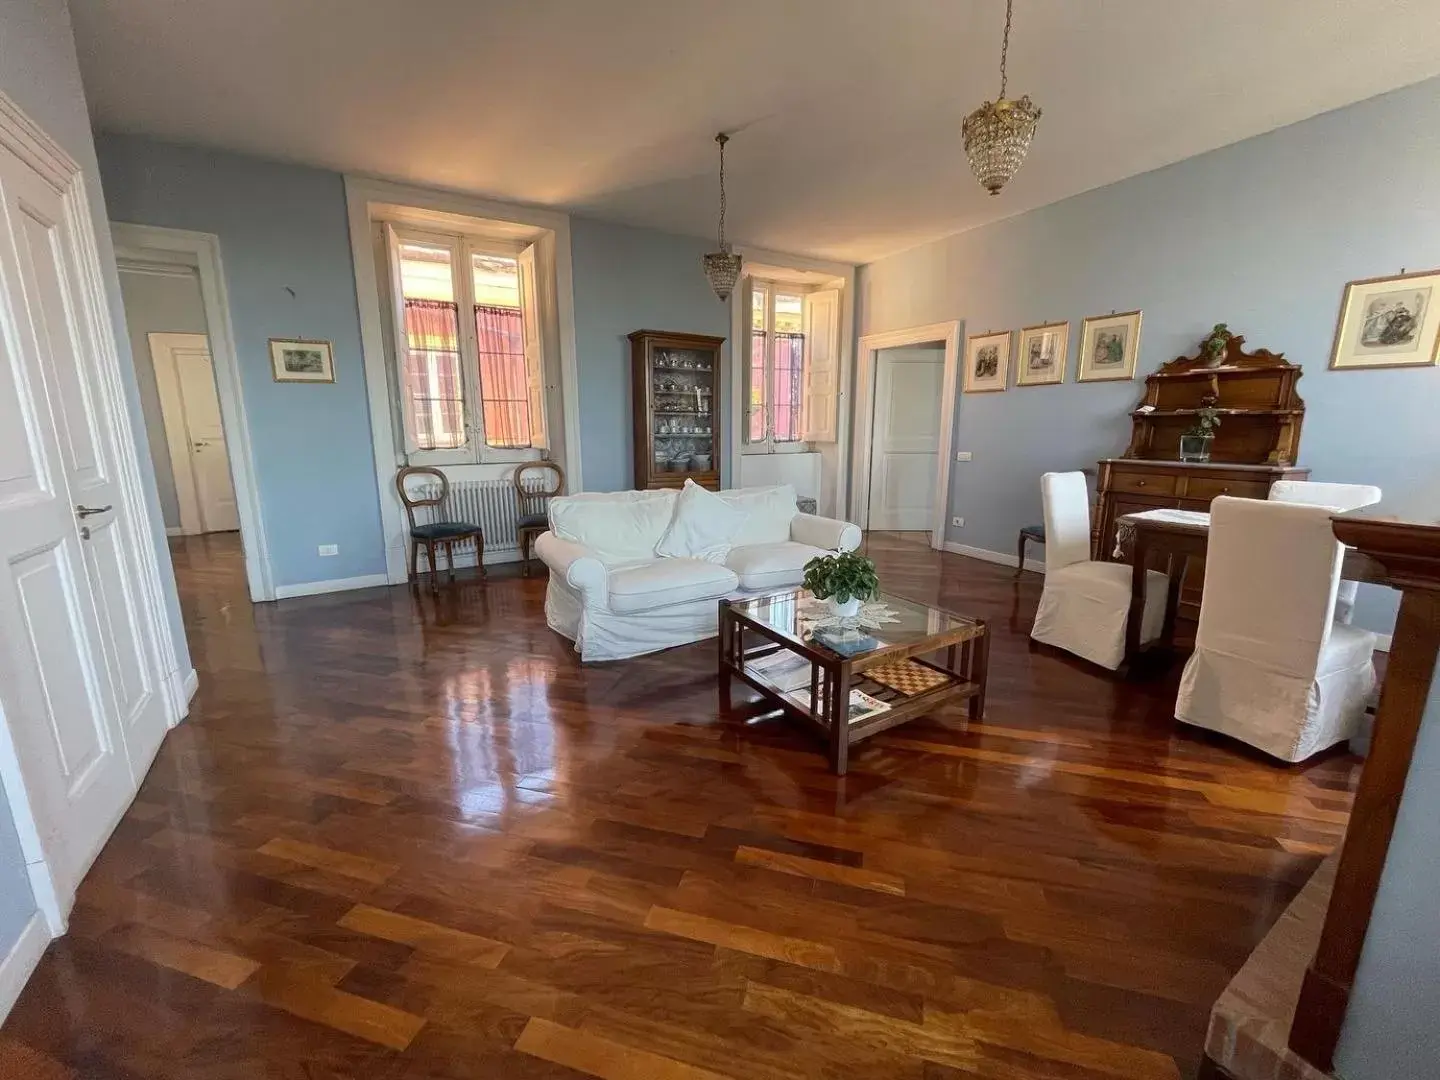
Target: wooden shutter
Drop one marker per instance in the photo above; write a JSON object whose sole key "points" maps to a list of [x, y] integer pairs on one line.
{"points": [[402, 344], [822, 366], [745, 345], [534, 349]]}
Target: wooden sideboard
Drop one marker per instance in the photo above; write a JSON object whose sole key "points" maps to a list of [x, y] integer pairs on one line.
{"points": [[1260, 417]]}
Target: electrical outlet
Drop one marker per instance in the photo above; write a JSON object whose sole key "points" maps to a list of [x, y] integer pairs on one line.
{"points": [[964, 455], [958, 522], [329, 549]]}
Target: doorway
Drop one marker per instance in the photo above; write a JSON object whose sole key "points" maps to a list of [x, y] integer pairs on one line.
{"points": [[905, 386], [905, 441], [177, 310]]}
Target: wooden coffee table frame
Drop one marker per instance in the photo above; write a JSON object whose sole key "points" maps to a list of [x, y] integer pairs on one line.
{"points": [[832, 677]]}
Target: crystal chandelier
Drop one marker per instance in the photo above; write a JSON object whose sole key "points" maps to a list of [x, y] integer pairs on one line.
{"points": [[998, 133], [722, 267]]}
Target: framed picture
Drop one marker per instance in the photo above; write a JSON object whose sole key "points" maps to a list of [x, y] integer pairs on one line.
{"points": [[1109, 347], [1044, 352], [299, 360], [987, 362], [1389, 322]]}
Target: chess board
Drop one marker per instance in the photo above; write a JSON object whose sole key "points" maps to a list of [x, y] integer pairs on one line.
{"points": [[907, 676]]}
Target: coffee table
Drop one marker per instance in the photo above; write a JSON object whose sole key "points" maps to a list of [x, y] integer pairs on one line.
{"points": [[797, 655]]}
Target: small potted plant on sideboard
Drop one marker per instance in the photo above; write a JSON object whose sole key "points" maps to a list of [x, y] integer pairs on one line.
{"points": [[1195, 443], [845, 580]]}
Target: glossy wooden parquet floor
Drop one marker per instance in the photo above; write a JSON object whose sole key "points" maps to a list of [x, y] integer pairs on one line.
{"points": [[409, 837]]}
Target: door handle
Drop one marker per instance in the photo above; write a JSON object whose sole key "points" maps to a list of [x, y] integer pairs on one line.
{"points": [[198, 445], [88, 511]]}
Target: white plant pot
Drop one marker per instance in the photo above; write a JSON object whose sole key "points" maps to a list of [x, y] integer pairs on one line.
{"points": [[848, 609]]}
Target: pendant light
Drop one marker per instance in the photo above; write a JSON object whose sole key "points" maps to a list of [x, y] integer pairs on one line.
{"points": [[722, 267], [998, 133]]}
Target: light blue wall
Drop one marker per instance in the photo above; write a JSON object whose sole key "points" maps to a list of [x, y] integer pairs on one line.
{"points": [[1390, 1029], [285, 245], [633, 279], [1262, 235], [159, 304]]}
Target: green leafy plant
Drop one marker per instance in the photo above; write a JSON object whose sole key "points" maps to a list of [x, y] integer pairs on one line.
{"points": [[1207, 418], [1213, 347], [844, 577]]}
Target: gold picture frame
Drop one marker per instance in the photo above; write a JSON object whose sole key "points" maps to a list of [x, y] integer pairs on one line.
{"points": [[1386, 324], [1109, 347], [1044, 354], [987, 362], [302, 360]]}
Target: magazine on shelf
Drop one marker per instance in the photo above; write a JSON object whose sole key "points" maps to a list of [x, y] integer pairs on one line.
{"points": [[862, 705], [782, 669], [846, 642]]}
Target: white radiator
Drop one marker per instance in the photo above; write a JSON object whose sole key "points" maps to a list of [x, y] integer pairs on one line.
{"points": [[491, 504]]}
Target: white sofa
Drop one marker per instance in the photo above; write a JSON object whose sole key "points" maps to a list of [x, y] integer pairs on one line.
{"points": [[614, 597]]}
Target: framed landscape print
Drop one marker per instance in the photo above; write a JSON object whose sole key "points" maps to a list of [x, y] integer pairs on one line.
{"points": [[1044, 351], [1389, 322], [1109, 347], [987, 362], [299, 360]]}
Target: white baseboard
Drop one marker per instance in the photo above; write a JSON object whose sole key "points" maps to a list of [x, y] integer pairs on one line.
{"points": [[174, 530], [315, 588], [16, 968], [1000, 557], [464, 560], [1382, 642]]}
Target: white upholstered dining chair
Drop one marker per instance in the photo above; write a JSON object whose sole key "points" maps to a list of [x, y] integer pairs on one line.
{"points": [[1271, 666], [1339, 498], [1085, 604]]}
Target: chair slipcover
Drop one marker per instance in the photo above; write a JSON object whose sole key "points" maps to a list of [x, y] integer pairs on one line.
{"points": [[1339, 497], [1271, 667], [1085, 604]]}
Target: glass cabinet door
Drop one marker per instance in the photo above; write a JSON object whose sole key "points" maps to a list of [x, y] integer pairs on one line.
{"points": [[682, 387]]}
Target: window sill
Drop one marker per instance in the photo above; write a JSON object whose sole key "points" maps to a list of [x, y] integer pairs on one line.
{"points": [[776, 448]]}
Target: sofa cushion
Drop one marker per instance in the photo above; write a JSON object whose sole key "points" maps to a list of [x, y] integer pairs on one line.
{"points": [[666, 583], [771, 566], [703, 526], [618, 527], [769, 510]]}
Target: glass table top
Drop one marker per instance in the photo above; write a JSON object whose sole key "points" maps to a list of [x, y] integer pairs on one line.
{"points": [[887, 622]]}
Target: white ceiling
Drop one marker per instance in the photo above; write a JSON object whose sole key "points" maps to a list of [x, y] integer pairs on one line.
{"points": [[846, 112]]}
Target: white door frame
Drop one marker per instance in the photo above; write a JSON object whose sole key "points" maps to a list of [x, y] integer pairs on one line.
{"points": [[23, 137], [178, 436], [143, 243], [945, 333]]}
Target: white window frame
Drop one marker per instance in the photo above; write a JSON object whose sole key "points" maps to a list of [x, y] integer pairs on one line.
{"points": [[767, 445], [462, 247]]}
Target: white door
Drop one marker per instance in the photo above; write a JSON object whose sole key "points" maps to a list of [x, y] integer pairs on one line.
{"points": [[905, 454], [185, 377], [77, 684]]}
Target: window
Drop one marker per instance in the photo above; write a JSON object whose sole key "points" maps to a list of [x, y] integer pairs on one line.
{"points": [[789, 348], [470, 365]]}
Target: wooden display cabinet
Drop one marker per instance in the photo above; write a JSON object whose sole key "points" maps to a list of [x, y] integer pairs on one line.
{"points": [[1257, 443], [674, 379]]}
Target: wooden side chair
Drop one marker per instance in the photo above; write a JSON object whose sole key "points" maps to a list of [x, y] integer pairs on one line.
{"points": [[1027, 533], [533, 493], [433, 534]]}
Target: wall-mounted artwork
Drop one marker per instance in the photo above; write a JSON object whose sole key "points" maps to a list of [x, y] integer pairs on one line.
{"points": [[1044, 351], [1389, 322], [987, 362], [1109, 347], [299, 360]]}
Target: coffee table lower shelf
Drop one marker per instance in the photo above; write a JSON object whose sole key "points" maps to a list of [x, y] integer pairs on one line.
{"points": [[962, 677]]}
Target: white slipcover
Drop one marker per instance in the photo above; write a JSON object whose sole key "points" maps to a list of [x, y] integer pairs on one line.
{"points": [[1085, 604], [1340, 498], [614, 597], [1271, 667]]}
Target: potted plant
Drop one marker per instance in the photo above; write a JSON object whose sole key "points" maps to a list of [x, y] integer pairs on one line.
{"points": [[1213, 347], [844, 580], [1195, 443]]}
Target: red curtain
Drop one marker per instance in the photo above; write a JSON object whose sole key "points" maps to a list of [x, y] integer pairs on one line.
{"points": [[434, 389], [503, 383]]}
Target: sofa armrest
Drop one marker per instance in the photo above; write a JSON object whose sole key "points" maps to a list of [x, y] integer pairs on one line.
{"points": [[575, 565], [823, 532]]}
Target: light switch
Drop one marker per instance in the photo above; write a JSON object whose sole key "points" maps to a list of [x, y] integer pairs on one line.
{"points": [[963, 455], [329, 549]]}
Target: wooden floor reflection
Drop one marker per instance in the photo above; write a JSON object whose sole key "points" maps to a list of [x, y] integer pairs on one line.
{"points": [[411, 836]]}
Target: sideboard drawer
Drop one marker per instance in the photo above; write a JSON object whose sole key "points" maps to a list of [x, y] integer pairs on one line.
{"points": [[1206, 488], [1143, 483]]}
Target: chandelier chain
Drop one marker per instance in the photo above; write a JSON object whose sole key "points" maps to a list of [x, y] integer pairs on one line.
{"points": [[722, 140], [1004, 55]]}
